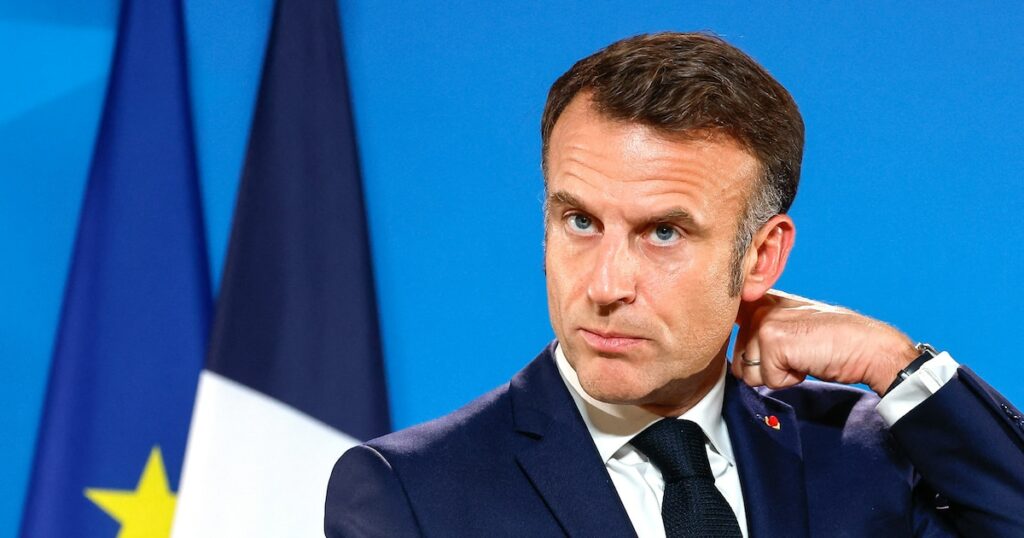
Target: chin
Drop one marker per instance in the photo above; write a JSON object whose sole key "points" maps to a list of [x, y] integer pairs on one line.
{"points": [[613, 380]]}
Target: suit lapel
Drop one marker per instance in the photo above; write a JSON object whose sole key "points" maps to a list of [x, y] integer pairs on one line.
{"points": [[557, 454], [769, 461]]}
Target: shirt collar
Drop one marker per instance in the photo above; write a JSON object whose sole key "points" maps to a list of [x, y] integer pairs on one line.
{"points": [[612, 426]]}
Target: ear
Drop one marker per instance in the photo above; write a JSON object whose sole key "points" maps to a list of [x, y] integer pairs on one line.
{"points": [[766, 256]]}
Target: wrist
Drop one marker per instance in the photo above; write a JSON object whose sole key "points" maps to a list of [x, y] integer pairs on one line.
{"points": [[925, 353], [898, 356]]}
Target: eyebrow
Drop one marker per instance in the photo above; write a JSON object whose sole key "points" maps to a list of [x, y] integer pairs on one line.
{"points": [[675, 215], [679, 215], [562, 198]]}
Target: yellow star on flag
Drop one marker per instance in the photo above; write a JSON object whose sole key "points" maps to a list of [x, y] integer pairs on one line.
{"points": [[146, 512]]}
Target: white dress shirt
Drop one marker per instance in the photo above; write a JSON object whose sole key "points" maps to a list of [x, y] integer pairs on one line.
{"points": [[639, 483]]}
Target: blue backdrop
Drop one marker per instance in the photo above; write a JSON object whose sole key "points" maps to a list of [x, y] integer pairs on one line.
{"points": [[907, 211]]}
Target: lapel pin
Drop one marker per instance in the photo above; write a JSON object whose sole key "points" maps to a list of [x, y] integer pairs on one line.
{"points": [[773, 422]]}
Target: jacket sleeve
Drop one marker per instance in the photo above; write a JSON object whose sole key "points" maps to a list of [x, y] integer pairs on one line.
{"points": [[366, 499], [967, 443]]}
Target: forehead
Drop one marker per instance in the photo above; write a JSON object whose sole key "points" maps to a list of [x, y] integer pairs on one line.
{"points": [[629, 162]]}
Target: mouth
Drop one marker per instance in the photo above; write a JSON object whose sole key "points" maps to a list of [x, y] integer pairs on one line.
{"points": [[610, 342]]}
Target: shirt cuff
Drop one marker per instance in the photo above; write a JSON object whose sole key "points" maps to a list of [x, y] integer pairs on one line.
{"points": [[927, 380]]}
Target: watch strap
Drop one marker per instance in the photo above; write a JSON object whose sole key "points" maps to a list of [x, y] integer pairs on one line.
{"points": [[927, 353]]}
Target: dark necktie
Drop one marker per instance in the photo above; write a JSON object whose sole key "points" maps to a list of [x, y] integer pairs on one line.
{"points": [[693, 506]]}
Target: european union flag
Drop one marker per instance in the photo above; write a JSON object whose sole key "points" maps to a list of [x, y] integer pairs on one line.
{"points": [[136, 309]]}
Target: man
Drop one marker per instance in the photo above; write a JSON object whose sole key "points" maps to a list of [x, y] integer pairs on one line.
{"points": [[670, 161]]}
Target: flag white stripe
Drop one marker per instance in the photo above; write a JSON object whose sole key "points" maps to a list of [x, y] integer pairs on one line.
{"points": [[253, 466]]}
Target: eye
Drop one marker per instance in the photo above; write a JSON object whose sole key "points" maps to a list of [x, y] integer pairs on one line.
{"points": [[663, 234], [580, 223]]}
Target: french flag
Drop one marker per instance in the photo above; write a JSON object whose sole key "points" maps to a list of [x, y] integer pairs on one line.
{"points": [[293, 375]]}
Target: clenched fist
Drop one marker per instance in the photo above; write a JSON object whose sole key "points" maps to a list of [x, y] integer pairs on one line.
{"points": [[784, 338]]}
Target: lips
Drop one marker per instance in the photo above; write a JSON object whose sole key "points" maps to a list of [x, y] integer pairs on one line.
{"points": [[610, 342]]}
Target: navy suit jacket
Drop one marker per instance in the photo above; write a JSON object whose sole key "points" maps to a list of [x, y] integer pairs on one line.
{"points": [[519, 461]]}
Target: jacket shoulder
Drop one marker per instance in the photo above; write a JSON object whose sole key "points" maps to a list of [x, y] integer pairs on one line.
{"points": [[400, 484], [469, 428]]}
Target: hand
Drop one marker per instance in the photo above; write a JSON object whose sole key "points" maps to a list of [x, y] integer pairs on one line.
{"points": [[794, 337]]}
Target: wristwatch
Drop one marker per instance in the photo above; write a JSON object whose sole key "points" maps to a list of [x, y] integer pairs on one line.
{"points": [[927, 353]]}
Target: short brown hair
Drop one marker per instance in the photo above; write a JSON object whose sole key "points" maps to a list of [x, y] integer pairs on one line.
{"points": [[689, 83]]}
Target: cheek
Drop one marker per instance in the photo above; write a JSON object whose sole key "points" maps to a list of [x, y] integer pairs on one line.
{"points": [[693, 298], [565, 264], [554, 297], [559, 272], [719, 308]]}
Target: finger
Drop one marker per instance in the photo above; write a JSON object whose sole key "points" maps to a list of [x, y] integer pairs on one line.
{"points": [[748, 312], [776, 376], [737, 363], [787, 300], [739, 346], [750, 363], [748, 309]]}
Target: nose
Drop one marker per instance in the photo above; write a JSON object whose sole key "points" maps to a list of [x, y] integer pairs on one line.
{"points": [[613, 279]]}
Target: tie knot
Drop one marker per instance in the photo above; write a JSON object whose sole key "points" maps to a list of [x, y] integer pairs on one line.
{"points": [[676, 447]]}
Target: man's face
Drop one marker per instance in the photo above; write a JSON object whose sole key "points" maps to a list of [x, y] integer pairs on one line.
{"points": [[639, 236]]}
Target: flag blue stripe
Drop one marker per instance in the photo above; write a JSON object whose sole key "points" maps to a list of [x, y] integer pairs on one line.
{"points": [[136, 309], [297, 316]]}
